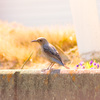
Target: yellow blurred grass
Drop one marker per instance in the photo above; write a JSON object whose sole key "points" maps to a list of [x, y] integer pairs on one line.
{"points": [[16, 46]]}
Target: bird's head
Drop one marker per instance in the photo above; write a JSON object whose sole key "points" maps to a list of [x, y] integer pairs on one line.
{"points": [[41, 41]]}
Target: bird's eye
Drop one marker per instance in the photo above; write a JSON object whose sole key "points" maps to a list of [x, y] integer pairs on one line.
{"points": [[40, 40]]}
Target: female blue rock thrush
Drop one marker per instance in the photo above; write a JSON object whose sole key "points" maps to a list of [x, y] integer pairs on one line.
{"points": [[50, 52]]}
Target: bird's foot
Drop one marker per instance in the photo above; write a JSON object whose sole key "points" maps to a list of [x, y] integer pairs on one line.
{"points": [[43, 70], [47, 70]]}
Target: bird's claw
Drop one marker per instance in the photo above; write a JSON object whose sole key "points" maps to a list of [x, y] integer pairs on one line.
{"points": [[47, 70], [43, 70]]}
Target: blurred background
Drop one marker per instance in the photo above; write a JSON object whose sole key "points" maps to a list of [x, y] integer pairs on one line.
{"points": [[36, 12], [24, 20]]}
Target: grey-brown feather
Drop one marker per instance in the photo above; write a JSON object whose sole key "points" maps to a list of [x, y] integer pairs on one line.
{"points": [[52, 52]]}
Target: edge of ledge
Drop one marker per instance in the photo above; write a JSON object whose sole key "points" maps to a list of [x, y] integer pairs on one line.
{"points": [[55, 71]]}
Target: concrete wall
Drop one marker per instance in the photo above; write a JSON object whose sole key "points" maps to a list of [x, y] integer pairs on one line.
{"points": [[59, 85]]}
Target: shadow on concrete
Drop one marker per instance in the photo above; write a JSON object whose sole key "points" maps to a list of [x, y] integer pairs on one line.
{"points": [[55, 71]]}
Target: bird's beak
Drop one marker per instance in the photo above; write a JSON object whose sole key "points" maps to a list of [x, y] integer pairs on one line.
{"points": [[34, 41]]}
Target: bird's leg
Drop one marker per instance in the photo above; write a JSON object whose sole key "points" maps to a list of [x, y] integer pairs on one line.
{"points": [[50, 66]]}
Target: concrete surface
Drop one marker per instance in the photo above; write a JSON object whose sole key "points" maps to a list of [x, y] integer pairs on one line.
{"points": [[59, 85]]}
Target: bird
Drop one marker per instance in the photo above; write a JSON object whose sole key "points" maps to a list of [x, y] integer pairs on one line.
{"points": [[50, 52]]}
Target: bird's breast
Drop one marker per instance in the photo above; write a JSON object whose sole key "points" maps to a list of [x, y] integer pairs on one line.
{"points": [[47, 56]]}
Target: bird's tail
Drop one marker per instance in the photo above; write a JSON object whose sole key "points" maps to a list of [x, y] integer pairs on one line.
{"points": [[66, 67]]}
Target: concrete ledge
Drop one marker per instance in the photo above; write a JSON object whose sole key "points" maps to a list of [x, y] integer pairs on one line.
{"points": [[59, 85]]}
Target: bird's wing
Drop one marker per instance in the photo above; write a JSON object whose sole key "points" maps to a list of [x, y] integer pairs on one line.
{"points": [[52, 52]]}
